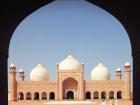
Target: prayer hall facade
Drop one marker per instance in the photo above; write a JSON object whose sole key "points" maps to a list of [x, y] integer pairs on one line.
{"points": [[70, 83]]}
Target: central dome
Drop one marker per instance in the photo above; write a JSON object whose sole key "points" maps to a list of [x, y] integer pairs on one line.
{"points": [[100, 72], [70, 63], [39, 73]]}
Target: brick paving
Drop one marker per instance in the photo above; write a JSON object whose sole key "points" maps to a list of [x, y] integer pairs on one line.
{"points": [[97, 102]]}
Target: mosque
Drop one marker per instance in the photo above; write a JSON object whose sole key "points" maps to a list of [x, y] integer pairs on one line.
{"points": [[70, 83]]}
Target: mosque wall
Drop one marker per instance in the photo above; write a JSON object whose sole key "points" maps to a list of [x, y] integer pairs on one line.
{"points": [[38, 87], [110, 87], [70, 83]]}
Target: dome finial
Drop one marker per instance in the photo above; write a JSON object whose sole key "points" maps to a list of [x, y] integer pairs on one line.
{"points": [[69, 52], [99, 60], [40, 61]]}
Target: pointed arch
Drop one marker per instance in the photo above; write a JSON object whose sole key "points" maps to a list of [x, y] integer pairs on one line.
{"points": [[43, 95], [28, 96], [70, 95], [96, 95], [111, 95], [119, 95], [69, 84], [52, 96], [88, 95], [36, 96], [20, 96], [103, 95]]}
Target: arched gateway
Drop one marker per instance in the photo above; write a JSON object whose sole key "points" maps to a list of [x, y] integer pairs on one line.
{"points": [[70, 87], [70, 95]]}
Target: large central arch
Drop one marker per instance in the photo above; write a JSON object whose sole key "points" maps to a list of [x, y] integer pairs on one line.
{"points": [[69, 87]]}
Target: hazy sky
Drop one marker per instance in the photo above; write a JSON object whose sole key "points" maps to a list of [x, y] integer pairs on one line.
{"points": [[92, 34]]}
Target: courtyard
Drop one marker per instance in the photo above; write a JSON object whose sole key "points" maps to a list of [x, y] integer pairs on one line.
{"points": [[95, 102]]}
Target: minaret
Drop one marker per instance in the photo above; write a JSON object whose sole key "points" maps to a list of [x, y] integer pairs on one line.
{"points": [[127, 78], [13, 83], [21, 75], [118, 75]]}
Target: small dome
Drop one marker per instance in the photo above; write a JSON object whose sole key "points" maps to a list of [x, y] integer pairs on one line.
{"points": [[118, 69], [70, 63], [39, 73], [127, 64], [21, 70], [12, 65], [100, 72]]}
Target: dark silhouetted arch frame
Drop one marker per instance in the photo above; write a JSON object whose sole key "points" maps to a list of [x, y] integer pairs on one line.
{"points": [[12, 12]]}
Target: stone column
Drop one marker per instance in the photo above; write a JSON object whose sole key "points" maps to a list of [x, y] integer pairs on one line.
{"points": [[91, 95], [24, 96], [3, 80], [99, 95], [48, 96], [40, 96], [32, 96], [115, 95], [107, 94]]}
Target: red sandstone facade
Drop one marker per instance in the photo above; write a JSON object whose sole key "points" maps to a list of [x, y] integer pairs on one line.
{"points": [[70, 84]]}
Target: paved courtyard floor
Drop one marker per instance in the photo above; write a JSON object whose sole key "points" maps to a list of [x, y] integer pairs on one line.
{"points": [[96, 102]]}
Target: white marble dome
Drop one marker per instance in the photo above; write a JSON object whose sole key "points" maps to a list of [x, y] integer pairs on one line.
{"points": [[69, 63], [118, 69], [21, 70], [127, 64], [39, 73], [100, 72], [12, 65]]}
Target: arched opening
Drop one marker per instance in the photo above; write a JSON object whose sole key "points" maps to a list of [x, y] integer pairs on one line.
{"points": [[103, 95], [44, 96], [69, 85], [70, 95], [62, 36], [36, 96], [111, 95], [96, 95], [20, 96], [88, 95], [28, 96], [52, 96], [119, 95]]}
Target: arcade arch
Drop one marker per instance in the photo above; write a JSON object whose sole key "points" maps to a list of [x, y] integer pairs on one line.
{"points": [[28, 96], [44, 95], [36, 96], [20, 96], [88, 95], [96, 95], [52, 96]]}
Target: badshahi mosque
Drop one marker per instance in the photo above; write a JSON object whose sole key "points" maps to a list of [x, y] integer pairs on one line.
{"points": [[70, 83]]}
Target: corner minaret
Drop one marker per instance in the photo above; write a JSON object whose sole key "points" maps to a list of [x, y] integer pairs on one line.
{"points": [[21, 75], [127, 78], [118, 75], [13, 83]]}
